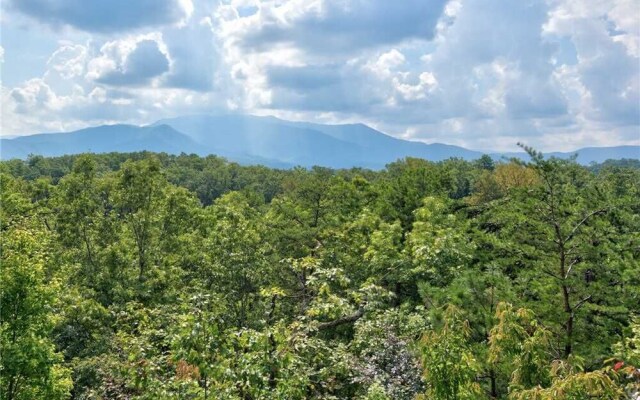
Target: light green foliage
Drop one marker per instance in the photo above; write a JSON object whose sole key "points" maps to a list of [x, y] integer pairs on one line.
{"points": [[437, 243], [15, 205], [376, 392], [450, 366], [568, 384], [276, 362], [30, 367], [519, 345], [628, 349], [627, 359], [383, 254]]}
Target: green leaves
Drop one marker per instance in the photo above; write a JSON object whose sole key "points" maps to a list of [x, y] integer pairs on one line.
{"points": [[150, 276], [450, 367], [569, 385], [518, 344], [30, 367], [437, 243]]}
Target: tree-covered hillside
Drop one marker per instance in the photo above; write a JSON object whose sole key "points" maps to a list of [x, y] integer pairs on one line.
{"points": [[150, 276]]}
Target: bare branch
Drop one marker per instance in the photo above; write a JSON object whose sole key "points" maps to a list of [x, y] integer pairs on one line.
{"points": [[575, 228], [574, 262], [581, 303], [341, 321]]}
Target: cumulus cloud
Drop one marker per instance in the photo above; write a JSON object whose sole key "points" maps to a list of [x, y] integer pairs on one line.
{"points": [[606, 39], [120, 78], [494, 54], [106, 16], [35, 93], [315, 55], [130, 62], [68, 61], [34, 107], [334, 26], [195, 57], [557, 74]]}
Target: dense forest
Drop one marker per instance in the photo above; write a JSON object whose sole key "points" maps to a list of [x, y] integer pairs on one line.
{"points": [[151, 276]]}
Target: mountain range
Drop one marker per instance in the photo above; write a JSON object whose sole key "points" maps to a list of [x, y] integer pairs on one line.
{"points": [[269, 141]]}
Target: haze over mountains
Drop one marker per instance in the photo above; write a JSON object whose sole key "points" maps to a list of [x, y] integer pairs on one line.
{"points": [[264, 140]]}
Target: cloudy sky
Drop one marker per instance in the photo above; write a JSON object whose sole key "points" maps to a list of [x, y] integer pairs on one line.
{"points": [[485, 74]]}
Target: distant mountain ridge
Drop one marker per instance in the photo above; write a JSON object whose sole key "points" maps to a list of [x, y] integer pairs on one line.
{"points": [[265, 140], [100, 139], [587, 155]]}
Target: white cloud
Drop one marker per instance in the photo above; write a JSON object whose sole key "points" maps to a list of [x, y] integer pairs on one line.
{"points": [[106, 16], [494, 75], [35, 93], [556, 74], [427, 82], [332, 26], [68, 61], [132, 61], [387, 62], [606, 40]]}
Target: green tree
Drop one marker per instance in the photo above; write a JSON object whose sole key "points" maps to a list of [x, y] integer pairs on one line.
{"points": [[437, 243], [519, 348], [450, 366], [236, 252], [568, 260], [78, 210], [138, 198], [30, 368]]}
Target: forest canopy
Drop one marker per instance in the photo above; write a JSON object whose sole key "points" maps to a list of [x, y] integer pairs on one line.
{"points": [[152, 276]]}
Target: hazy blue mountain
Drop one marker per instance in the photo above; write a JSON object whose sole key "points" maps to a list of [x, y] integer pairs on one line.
{"points": [[307, 143], [587, 155], [120, 138], [385, 147], [265, 140], [270, 139], [101, 139]]}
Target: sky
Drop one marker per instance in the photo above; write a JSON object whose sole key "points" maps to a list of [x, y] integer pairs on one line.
{"points": [[484, 74]]}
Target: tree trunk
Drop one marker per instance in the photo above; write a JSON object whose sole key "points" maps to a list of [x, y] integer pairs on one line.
{"points": [[494, 389], [566, 298]]}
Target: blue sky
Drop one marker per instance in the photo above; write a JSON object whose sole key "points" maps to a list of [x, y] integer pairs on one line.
{"points": [[485, 74]]}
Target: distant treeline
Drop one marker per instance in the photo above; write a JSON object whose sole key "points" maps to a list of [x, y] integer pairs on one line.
{"points": [[211, 176]]}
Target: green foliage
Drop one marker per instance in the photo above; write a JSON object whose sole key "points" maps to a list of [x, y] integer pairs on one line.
{"points": [[519, 345], [152, 276], [570, 385], [438, 244], [236, 265], [30, 366], [450, 366]]}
